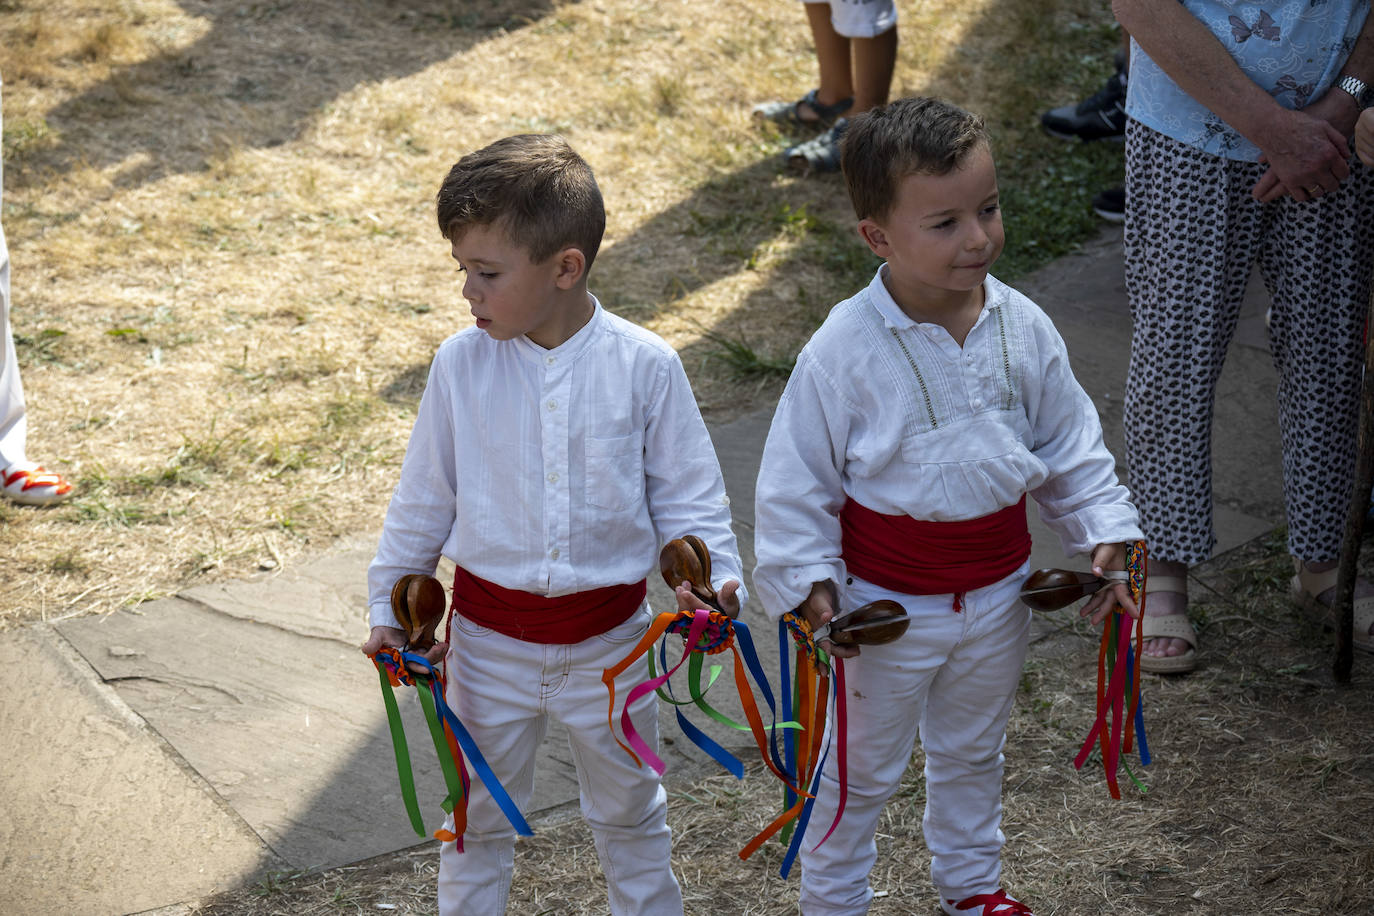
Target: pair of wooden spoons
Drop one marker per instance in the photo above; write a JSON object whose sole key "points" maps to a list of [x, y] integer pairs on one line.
{"points": [[1052, 589], [419, 604], [686, 559]]}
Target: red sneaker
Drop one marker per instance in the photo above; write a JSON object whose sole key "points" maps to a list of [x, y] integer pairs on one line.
{"points": [[998, 904]]}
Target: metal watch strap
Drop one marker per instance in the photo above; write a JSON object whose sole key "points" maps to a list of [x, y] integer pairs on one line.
{"points": [[1357, 89]]}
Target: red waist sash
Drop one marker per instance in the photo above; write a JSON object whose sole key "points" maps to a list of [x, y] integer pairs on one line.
{"points": [[529, 617], [918, 557]]}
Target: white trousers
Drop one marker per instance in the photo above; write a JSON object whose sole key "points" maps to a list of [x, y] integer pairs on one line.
{"points": [[951, 678], [505, 691], [12, 423]]}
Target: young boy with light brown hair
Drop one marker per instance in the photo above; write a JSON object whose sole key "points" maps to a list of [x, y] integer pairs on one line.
{"points": [[557, 447], [917, 420]]}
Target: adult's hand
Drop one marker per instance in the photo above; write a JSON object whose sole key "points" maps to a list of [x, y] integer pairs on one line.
{"points": [[1306, 150], [1364, 137]]}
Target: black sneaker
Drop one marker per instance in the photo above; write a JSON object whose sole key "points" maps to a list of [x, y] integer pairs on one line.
{"points": [[1111, 205], [1101, 116]]}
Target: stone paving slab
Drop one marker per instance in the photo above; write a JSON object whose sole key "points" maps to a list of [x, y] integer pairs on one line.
{"points": [[289, 730], [97, 814]]}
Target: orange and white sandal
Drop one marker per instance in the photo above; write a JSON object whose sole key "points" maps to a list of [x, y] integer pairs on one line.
{"points": [[31, 485]]}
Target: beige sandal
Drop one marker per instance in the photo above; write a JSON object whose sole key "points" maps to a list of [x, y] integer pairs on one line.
{"points": [[1170, 626], [1306, 585]]}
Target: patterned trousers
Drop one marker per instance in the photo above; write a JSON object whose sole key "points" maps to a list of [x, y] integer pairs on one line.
{"points": [[1193, 235]]}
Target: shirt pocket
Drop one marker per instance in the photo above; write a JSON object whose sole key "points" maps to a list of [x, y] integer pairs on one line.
{"points": [[614, 472]]}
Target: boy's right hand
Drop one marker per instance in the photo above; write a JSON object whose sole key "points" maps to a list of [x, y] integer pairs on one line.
{"points": [[819, 609], [392, 637]]}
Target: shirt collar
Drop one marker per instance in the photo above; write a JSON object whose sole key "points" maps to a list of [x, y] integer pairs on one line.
{"points": [[568, 349], [994, 295]]}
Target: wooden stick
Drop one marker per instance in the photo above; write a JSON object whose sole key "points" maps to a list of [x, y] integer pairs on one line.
{"points": [[1344, 605]]}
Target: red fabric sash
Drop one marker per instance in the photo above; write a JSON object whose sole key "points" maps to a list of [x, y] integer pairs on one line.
{"points": [[529, 617], [933, 558]]}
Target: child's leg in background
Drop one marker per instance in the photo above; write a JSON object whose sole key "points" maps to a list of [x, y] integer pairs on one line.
{"points": [[495, 689], [856, 51], [886, 688], [624, 804], [832, 56], [13, 430], [861, 38], [962, 731]]}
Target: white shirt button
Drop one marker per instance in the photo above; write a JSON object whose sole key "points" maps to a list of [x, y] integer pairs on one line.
{"points": [[553, 554], [977, 403], [553, 405], [551, 360], [553, 478]]}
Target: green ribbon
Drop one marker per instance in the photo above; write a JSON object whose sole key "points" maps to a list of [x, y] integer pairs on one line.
{"points": [[398, 745], [698, 693], [436, 731]]}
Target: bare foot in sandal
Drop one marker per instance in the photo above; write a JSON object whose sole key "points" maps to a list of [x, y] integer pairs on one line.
{"points": [[1166, 603]]}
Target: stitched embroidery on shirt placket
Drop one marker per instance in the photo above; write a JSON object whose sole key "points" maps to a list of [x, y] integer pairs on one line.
{"points": [[930, 408], [1006, 357]]}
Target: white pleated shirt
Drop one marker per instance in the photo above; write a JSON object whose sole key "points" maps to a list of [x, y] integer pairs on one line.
{"points": [[895, 414], [554, 471]]}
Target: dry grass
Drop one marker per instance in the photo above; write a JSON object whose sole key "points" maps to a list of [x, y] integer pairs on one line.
{"points": [[1259, 798], [227, 287]]}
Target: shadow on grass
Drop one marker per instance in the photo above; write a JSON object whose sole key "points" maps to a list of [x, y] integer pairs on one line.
{"points": [[257, 78]]}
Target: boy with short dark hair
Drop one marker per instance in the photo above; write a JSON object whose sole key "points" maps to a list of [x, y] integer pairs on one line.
{"points": [[556, 448], [917, 419]]}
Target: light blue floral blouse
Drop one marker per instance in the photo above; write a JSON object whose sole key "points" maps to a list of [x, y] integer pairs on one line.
{"points": [[1293, 48]]}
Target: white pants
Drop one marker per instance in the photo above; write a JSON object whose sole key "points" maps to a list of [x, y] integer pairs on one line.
{"points": [[504, 691], [12, 428], [952, 677], [860, 18]]}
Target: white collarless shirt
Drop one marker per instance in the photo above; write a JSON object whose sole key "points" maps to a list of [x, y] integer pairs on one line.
{"points": [[895, 414], [554, 471]]}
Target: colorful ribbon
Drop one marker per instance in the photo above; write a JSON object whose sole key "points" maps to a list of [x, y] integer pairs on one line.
{"points": [[451, 741], [1120, 717], [707, 632], [806, 753]]}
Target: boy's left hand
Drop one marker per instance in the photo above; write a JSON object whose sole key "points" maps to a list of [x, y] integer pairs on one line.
{"points": [[729, 600], [1105, 600]]}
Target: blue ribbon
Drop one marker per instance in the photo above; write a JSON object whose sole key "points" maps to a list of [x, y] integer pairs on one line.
{"points": [[479, 763]]}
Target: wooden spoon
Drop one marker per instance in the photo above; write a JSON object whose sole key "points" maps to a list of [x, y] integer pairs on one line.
{"points": [[1052, 589], [686, 559], [419, 604], [873, 624]]}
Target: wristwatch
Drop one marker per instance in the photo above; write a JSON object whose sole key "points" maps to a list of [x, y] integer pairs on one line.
{"points": [[1358, 91]]}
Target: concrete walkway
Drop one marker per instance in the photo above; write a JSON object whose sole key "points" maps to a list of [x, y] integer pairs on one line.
{"points": [[198, 742]]}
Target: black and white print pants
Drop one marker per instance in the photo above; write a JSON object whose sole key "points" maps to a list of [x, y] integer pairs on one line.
{"points": [[1193, 234]]}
